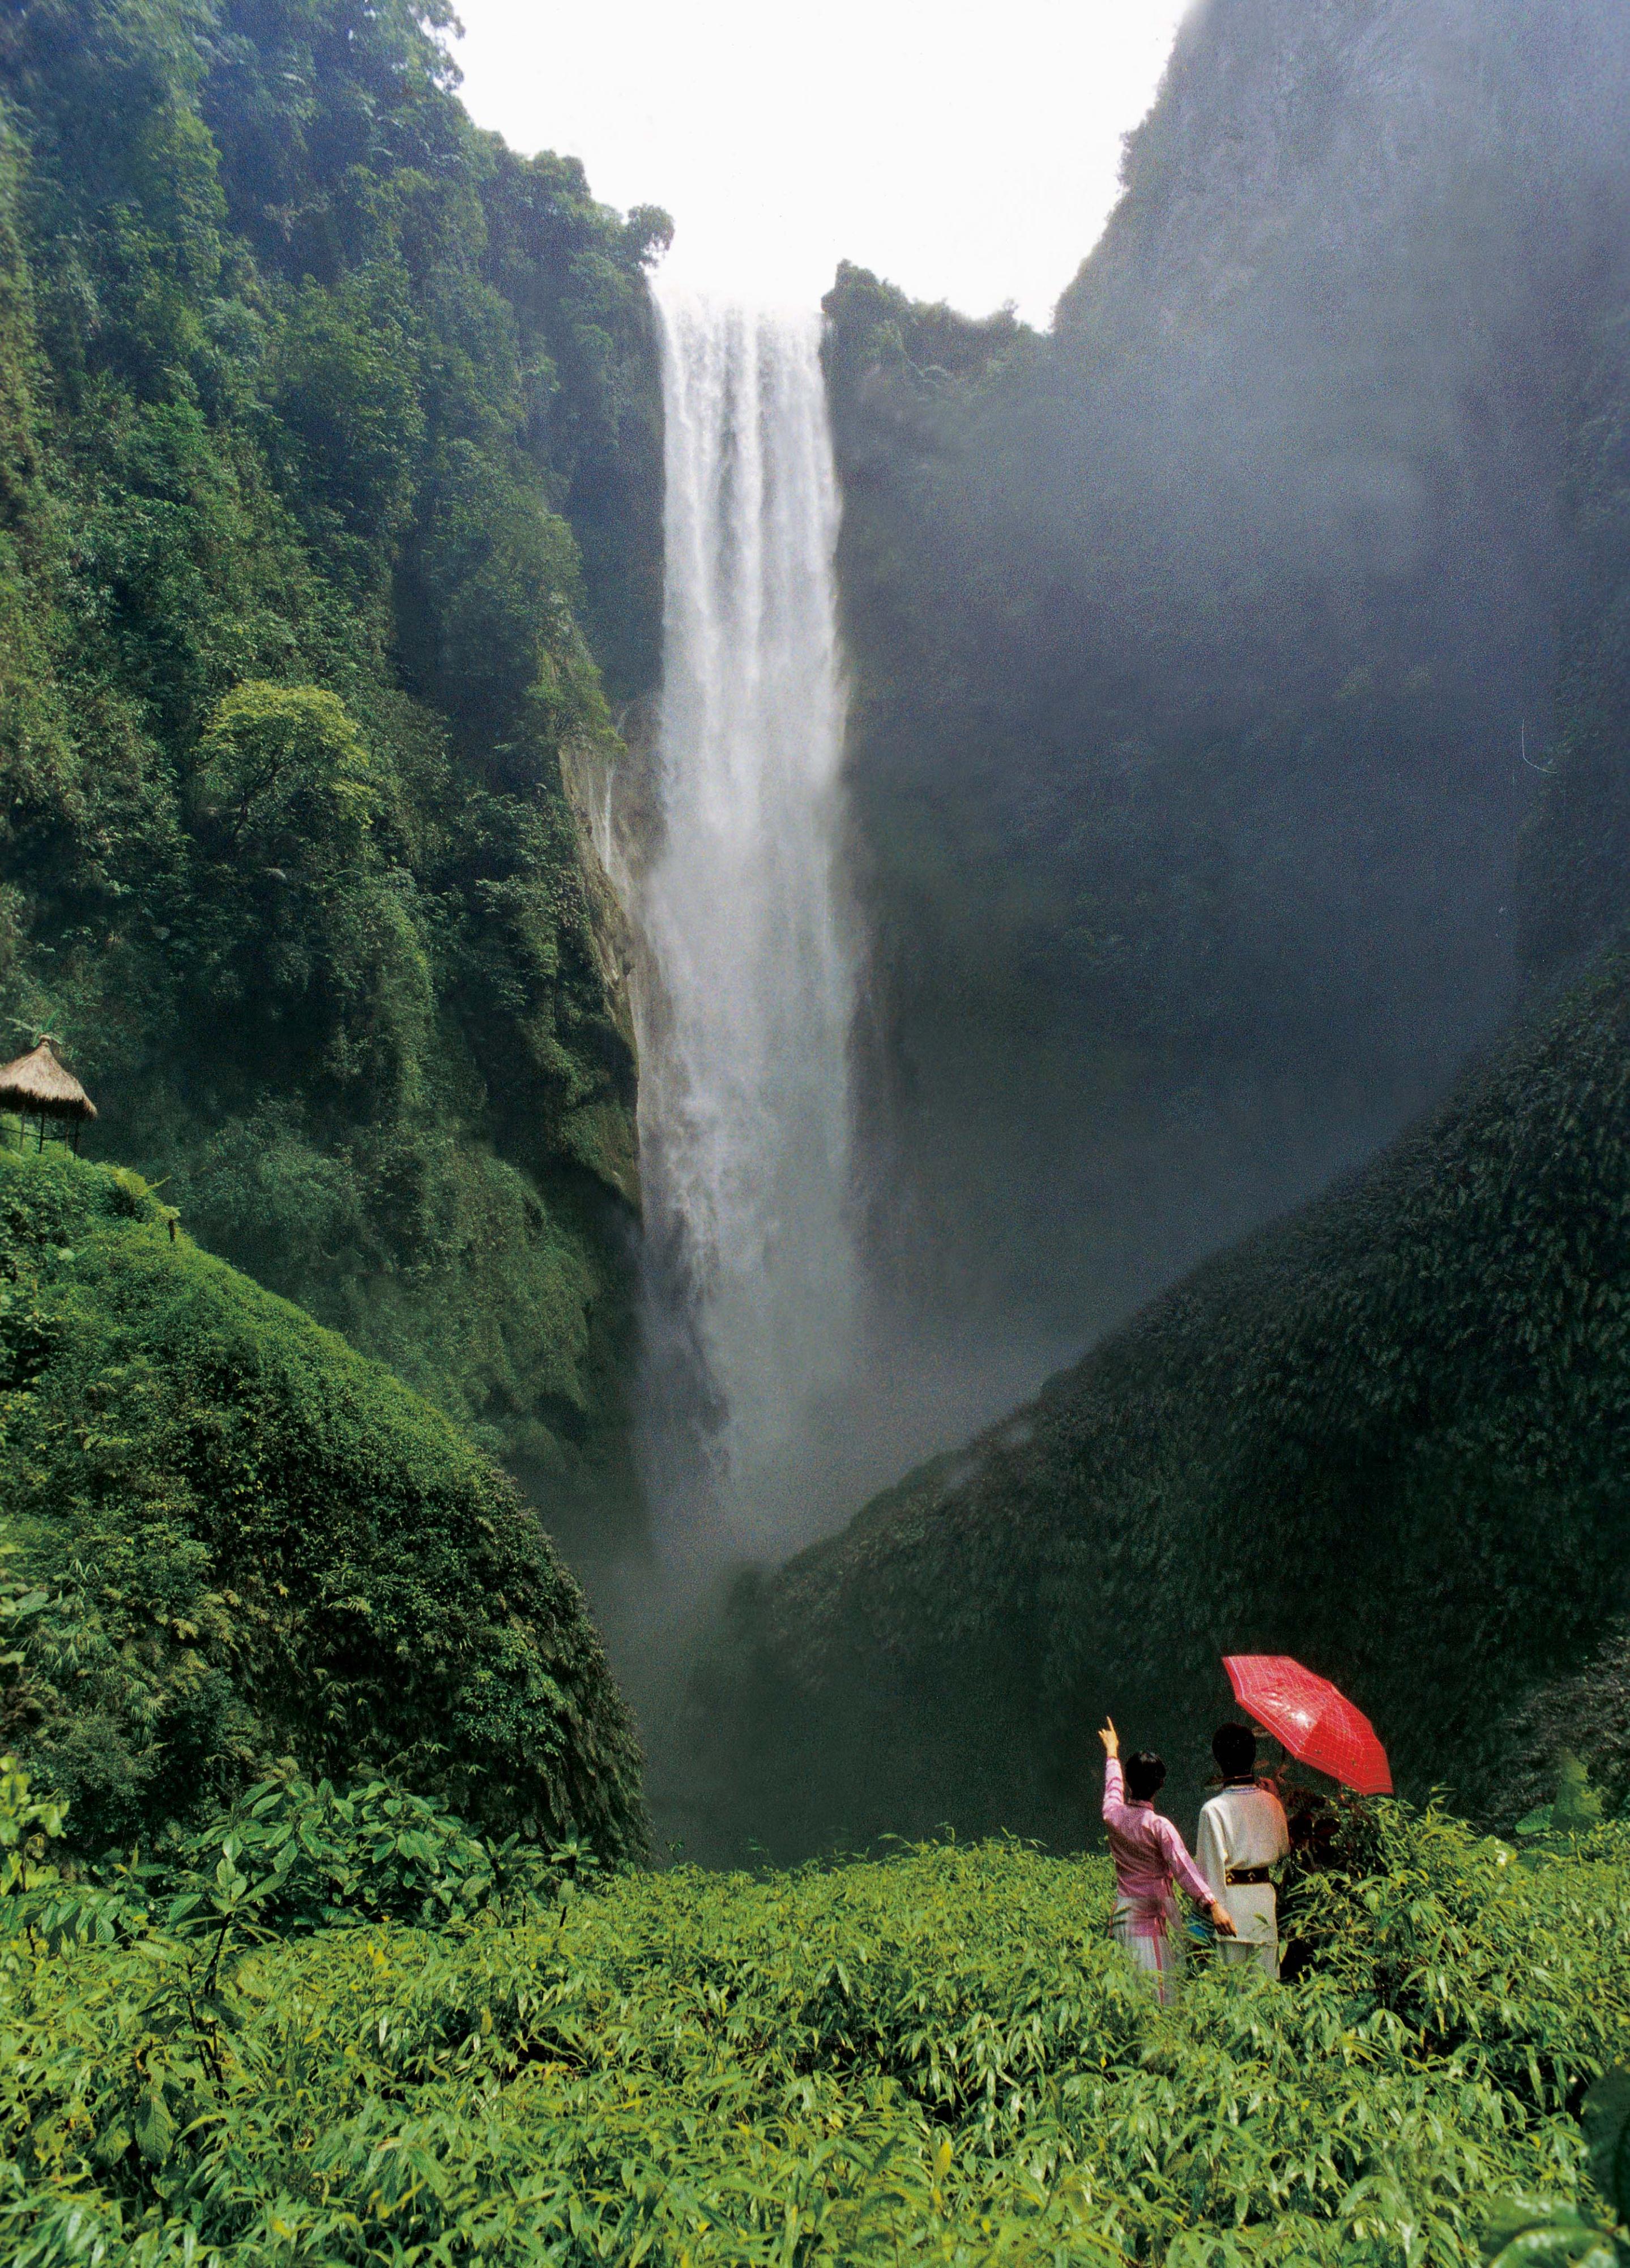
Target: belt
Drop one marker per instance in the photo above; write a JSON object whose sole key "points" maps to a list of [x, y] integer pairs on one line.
{"points": [[1233, 1875]]}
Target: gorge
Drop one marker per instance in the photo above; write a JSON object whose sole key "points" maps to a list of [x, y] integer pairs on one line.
{"points": [[725, 891], [824, 1041], [1225, 666]]}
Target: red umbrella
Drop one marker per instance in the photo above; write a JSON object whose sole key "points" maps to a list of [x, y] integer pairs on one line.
{"points": [[1307, 1715]]}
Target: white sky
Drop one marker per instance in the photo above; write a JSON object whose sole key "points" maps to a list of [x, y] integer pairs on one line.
{"points": [[965, 151]]}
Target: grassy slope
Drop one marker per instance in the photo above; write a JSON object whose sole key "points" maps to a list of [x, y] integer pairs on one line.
{"points": [[942, 2059], [1387, 1435], [236, 1539]]}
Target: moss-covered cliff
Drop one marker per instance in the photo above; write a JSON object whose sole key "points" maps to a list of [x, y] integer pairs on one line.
{"points": [[229, 1538], [1388, 1436], [330, 509]]}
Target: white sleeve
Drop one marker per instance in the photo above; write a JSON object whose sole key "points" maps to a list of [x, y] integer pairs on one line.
{"points": [[1211, 1847]]}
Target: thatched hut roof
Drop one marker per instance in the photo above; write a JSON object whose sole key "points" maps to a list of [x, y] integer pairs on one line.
{"points": [[37, 1086]]}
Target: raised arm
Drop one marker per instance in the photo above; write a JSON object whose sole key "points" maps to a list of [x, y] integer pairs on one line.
{"points": [[1114, 1786], [1114, 1789]]}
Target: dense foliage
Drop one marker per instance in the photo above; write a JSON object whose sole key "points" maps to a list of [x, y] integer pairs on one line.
{"points": [[229, 1538], [938, 2058], [1200, 643], [1388, 1436], [329, 470]]}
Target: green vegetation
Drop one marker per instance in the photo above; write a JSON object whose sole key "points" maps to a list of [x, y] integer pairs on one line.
{"points": [[330, 511], [1387, 1436], [938, 2058], [1551, 2229], [231, 1539]]}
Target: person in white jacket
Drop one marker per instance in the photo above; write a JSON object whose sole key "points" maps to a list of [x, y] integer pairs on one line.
{"points": [[1242, 1833]]}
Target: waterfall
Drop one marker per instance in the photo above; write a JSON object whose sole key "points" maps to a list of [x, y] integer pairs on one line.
{"points": [[745, 1102]]}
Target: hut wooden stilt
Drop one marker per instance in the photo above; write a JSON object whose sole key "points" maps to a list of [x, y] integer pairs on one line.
{"points": [[37, 1086]]}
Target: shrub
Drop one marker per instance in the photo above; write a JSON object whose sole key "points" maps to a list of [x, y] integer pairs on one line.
{"points": [[939, 2057], [237, 1539]]}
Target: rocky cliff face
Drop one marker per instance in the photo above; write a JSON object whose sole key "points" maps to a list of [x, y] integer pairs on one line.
{"points": [[1199, 645], [1310, 142]]}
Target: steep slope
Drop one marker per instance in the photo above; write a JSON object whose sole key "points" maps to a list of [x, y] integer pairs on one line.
{"points": [[1388, 1435], [329, 484], [231, 1538], [1199, 644]]}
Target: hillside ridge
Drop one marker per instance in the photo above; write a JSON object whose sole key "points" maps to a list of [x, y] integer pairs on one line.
{"points": [[229, 1538], [1386, 1434]]}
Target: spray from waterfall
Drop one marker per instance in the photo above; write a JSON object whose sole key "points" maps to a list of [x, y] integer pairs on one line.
{"points": [[745, 1110]]}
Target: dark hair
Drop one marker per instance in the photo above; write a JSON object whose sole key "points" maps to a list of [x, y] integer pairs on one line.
{"points": [[1234, 1749], [1146, 1775]]}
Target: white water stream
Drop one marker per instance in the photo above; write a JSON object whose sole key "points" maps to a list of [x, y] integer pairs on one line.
{"points": [[745, 1100]]}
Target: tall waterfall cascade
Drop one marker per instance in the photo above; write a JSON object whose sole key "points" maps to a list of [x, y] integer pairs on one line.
{"points": [[745, 1099]]}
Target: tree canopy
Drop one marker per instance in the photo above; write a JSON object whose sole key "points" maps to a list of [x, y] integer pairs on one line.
{"points": [[330, 516]]}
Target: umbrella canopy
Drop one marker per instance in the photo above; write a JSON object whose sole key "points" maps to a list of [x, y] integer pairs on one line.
{"points": [[1307, 1715], [37, 1086]]}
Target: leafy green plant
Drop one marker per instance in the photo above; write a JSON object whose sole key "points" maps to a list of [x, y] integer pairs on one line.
{"points": [[1575, 1808], [939, 2057], [311, 1858], [29, 1823], [1555, 2230]]}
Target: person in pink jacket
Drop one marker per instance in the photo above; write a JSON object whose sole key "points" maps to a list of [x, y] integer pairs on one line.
{"points": [[1149, 1856]]}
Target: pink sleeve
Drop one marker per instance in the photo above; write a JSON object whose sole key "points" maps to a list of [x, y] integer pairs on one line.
{"points": [[1183, 1870], [1113, 1793]]}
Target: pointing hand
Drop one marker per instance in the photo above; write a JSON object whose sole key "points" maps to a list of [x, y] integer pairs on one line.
{"points": [[1110, 1738]]}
